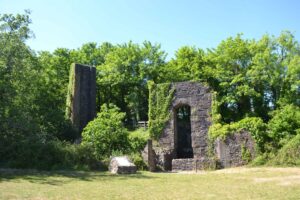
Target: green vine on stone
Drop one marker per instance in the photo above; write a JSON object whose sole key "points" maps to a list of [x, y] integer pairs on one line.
{"points": [[70, 92], [160, 99], [246, 154]]}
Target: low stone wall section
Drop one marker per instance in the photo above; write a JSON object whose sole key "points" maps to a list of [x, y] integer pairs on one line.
{"points": [[229, 151]]}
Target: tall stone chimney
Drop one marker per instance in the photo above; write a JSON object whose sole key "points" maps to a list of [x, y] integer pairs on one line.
{"points": [[81, 99]]}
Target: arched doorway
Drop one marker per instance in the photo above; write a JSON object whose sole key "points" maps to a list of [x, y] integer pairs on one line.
{"points": [[182, 129]]}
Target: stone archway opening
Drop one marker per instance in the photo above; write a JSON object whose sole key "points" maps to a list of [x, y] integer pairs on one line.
{"points": [[183, 132]]}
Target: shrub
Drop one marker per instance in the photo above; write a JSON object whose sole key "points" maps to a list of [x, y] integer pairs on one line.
{"points": [[284, 124], [138, 161], [138, 139], [289, 154], [262, 159], [49, 155], [106, 133], [85, 159]]}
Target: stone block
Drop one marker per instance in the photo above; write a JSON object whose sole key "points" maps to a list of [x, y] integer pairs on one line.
{"points": [[122, 165]]}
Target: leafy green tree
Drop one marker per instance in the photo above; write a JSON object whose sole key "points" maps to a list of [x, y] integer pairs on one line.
{"points": [[51, 96], [106, 133], [154, 62], [275, 74], [187, 65], [292, 83], [226, 73], [91, 53], [252, 77], [19, 81], [122, 78], [18, 76]]}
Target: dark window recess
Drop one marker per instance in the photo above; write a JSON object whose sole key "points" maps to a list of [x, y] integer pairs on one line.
{"points": [[183, 129]]}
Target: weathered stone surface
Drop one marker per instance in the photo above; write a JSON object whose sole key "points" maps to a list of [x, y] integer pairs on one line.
{"points": [[198, 98], [192, 164], [83, 95], [121, 165], [229, 151], [185, 164], [149, 156]]}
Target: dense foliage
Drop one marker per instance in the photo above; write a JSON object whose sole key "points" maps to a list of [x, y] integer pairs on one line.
{"points": [[160, 98], [256, 84], [254, 125], [106, 133], [288, 155], [138, 139], [106, 136], [284, 125]]}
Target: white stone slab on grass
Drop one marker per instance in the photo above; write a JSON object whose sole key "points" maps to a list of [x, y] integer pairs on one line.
{"points": [[122, 165]]}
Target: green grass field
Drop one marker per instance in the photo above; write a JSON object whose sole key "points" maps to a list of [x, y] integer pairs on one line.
{"points": [[235, 183]]}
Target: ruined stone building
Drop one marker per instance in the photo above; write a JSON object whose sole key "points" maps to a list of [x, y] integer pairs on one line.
{"points": [[184, 142]]}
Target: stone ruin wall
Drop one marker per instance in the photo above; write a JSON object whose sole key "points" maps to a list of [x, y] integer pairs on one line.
{"points": [[161, 154], [198, 97], [229, 150], [82, 96]]}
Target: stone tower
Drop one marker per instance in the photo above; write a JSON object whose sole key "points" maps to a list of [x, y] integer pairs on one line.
{"points": [[81, 99]]}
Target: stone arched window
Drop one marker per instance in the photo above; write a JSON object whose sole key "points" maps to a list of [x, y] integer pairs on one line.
{"points": [[182, 131]]}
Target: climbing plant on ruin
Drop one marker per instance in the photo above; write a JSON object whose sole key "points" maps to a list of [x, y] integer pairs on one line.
{"points": [[160, 98], [70, 91]]}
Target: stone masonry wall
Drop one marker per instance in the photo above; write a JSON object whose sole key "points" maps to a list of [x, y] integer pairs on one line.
{"points": [[198, 97], [83, 97], [186, 164], [229, 151], [193, 164]]}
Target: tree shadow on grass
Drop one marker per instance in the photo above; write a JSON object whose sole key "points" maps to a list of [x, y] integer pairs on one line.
{"points": [[63, 177]]}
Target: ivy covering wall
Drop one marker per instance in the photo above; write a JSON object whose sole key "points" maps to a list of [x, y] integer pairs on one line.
{"points": [[219, 129], [160, 99], [254, 125], [70, 92]]}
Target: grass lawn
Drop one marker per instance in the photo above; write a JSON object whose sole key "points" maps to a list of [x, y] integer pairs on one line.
{"points": [[235, 183]]}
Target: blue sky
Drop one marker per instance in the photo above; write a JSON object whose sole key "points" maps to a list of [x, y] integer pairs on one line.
{"points": [[70, 23]]}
